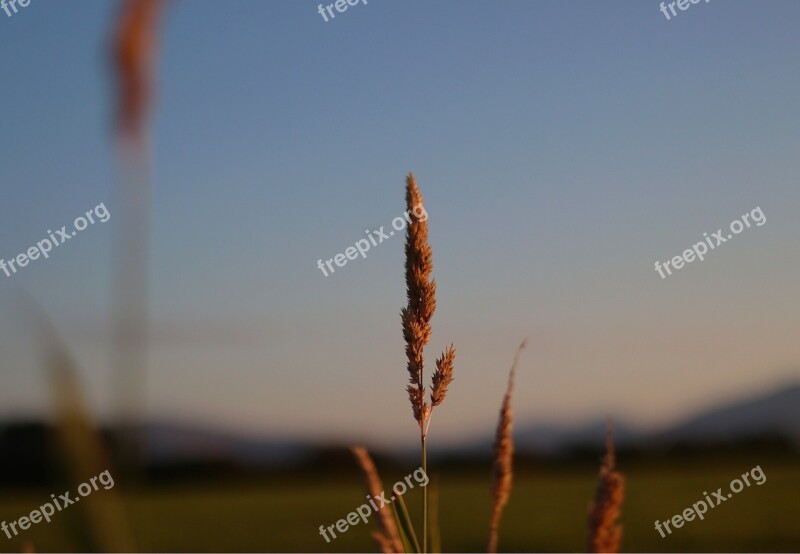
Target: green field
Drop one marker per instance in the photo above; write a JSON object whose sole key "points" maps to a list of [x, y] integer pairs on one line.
{"points": [[546, 513]]}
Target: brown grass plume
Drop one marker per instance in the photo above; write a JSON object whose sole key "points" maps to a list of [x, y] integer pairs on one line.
{"points": [[605, 533], [134, 51], [443, 376], [387, 536], [421, 291], [503, 457]]}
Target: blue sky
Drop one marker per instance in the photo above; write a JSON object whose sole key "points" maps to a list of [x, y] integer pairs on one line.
{"points": [[561, 147]]}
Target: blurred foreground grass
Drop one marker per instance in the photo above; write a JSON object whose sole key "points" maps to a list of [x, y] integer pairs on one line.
{"points": [[546, 513]]}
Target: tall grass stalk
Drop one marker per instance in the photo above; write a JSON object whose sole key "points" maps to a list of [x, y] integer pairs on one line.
{"points": [[133, 49], [416, 320], [424, 496]]}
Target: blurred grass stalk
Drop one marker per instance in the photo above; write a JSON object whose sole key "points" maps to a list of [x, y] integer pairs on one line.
{"points": [[605, 532], [388, 537], [79, 439], [133, 50], [129, 318], [503, 468]]}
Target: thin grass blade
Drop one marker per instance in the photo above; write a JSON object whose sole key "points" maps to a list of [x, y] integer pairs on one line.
{"points": [[405, 524]]}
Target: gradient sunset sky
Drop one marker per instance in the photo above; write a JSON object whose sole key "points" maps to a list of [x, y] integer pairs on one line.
{"points": [[561, 148]]}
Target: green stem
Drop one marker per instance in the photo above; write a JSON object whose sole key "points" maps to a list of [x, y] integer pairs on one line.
{"points": [[424, 497]]}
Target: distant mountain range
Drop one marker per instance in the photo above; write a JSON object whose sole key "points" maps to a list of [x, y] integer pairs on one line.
{"points": [[774, 414], [170, 443], [777, 412]]}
